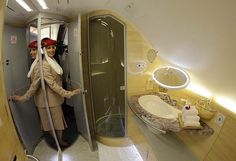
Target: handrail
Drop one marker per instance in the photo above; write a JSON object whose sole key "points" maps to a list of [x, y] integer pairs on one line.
{"points": [[32, 157]]}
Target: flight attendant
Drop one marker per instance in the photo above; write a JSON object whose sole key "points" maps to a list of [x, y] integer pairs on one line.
{"points": [[33, 74], [55, 93]]}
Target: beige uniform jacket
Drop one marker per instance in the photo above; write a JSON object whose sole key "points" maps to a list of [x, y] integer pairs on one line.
{"points": [[53, 85]]}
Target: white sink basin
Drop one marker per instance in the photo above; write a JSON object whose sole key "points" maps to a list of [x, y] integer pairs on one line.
{"points": [[156, 106]]}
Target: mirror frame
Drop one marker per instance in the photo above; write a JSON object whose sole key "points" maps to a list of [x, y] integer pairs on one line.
{"points": [[171, 87]]}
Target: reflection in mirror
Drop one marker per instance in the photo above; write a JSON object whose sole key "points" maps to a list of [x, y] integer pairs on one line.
{"points": [[171, 77]]}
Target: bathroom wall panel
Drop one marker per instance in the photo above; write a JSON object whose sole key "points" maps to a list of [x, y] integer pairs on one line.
{"points": [[224, 147], [137, 48], [202, 146], [10, 145]]}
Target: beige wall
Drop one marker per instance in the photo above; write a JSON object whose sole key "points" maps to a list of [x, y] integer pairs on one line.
{"points": [[9, 142], [217, 147]]}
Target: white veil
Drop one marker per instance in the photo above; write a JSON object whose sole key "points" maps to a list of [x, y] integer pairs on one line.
{"points": [[53, 63], [32, 66]]}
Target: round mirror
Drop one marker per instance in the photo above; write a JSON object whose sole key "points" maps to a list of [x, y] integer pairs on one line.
{"points": [[171, 77]]}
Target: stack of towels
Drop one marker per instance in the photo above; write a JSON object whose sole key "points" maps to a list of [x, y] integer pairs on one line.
{"points": [[190, 116]]}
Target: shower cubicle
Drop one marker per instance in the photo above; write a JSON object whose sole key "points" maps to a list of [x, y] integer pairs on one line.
{"points": [[107, 73]]}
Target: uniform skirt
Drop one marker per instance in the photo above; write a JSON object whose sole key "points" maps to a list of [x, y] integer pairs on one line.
{"points": [[58, 119]]}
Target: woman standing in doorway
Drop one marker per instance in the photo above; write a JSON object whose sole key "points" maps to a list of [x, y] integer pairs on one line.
{"points": [[55, 93], [53, 79]]}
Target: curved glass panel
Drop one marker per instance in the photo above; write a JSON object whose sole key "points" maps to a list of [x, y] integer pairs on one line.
{"points": [[106, 40]]}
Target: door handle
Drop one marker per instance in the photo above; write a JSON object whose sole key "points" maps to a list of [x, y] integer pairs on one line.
{"points": [[7, 62], [85, 91], [122, 88]]}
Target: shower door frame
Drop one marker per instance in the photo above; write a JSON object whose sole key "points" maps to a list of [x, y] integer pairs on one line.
{"points": [[125, 69]]}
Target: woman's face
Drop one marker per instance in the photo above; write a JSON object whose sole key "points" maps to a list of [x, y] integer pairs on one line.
{"points": [[51, 50], [33, 53]]}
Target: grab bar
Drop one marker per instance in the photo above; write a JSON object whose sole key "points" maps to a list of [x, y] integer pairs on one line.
{"points": [[32, 157]]}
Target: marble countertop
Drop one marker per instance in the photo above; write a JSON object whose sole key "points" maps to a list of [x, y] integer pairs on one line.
{"points": [[163, 123]]}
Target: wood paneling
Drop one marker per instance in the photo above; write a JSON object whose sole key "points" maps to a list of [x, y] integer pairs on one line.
{"points": [[214, 147], [224, 147]]}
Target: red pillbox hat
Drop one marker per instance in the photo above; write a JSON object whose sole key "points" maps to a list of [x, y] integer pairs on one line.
{"points": [[47, 42], [33, 44]]}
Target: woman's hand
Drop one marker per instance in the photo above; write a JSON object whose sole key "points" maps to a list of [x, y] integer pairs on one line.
{"points": [[17, 98], [76, 91]]}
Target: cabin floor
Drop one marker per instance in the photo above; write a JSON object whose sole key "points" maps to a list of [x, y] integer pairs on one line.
{"points": [[145, 146]]}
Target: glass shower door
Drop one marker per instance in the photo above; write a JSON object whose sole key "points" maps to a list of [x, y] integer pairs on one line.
{"points": [[107, 75]]}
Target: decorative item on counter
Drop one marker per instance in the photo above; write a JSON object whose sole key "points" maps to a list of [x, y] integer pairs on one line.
{"points": [[162, 89], [189, 118], [204, 108], [182, 102], [174, 102]]}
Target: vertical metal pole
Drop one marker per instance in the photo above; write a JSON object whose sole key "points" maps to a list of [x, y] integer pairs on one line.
{"points": [[44, 89]]}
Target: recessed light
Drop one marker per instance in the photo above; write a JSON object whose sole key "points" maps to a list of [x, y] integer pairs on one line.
{"points": [[24, 5], [43, 4]]}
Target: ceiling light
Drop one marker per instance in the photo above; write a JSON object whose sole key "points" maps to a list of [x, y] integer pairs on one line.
{"points": [[24, 5], [43, 4]]}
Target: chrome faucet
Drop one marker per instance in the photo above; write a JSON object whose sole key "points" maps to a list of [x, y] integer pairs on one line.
{"points": [[165, 97]]}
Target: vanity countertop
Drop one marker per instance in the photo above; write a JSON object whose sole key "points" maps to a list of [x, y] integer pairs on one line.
{"points": [[163, 123]]}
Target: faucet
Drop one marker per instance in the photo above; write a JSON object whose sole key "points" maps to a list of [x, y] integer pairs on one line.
{"points": [[165, 97]]}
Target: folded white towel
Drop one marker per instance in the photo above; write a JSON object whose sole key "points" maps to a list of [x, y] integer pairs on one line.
{"points": [[189, 118], [188, 107], [192, 112], [192, 123]]}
